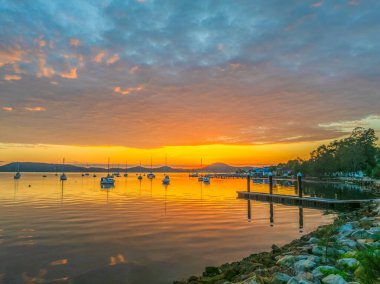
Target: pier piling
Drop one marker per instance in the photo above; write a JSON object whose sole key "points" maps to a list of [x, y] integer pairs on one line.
{"points": [[248, 183], [299, 182], [270, 177]]}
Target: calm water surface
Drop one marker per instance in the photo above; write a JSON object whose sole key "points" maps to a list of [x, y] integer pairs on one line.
{"points": [[137, 232]]}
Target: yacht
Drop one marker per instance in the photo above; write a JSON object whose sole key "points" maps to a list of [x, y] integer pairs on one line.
{"points": [[206, 179], [151, 175], [63, 176], [108, 180], [166, 180], [17, 174]]}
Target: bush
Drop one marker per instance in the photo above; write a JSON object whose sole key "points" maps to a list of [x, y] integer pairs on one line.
{"points": [[369, 272], [376, 172]]}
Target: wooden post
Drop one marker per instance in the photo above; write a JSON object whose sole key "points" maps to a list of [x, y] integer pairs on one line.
{"points": [[299, 181], [249, 183], [270, 176]]}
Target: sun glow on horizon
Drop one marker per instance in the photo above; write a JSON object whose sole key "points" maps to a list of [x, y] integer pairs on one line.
{"points": [[177, 156]]}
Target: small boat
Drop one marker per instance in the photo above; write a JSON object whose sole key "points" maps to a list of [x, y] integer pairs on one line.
{"points": [[108, 180], [200, 178], [44, 176], [151, 175], [17, 174], [63, 176], [94, 175], [116, 174], [166, 180], [193, 175], [140, 177], [206, 179]]}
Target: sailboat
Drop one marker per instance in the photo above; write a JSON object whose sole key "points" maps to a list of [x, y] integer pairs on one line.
{"points": [[17, 174], [166, 179], [206, 179], [140, 176], [200, 178], [108, 180], [63, 176], [151, 175], [126, 166]]}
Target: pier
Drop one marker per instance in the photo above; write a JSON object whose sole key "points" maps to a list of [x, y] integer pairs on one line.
{"points": [[307, 202], [300, 200]]}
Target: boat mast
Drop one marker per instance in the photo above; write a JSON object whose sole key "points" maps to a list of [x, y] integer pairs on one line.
{"points": [[63, 165], [108, 168], [151, 165]]}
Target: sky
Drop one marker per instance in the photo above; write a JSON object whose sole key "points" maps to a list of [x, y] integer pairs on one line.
{"points": [[243, 82]]}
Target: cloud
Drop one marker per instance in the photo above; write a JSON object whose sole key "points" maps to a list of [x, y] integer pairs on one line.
{"points": [[72, 74], [9, 77], [33, 109], [127, 91], [113, 59], [7, 108], [74, 42], [100, 56], [11, 56]]}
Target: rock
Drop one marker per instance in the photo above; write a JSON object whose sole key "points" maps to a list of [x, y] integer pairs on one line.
{"points": [[313, 240], [347, 242], [360, 234], [292, 281], [304, 265], [333, 279], [349, 263], [289, 260], [322, 250], [306, 276], [280, 278], [317, 271], [303, 281], [251, 280], [346, 228]]}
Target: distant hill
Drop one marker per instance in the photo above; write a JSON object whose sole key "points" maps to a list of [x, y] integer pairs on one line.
{"points": [[223, 168], [45, 167]]}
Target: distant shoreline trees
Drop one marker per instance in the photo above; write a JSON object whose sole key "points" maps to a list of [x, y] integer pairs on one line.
{"points": [[356, 153]]}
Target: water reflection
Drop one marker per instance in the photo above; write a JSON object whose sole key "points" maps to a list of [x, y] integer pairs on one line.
{"points": [[147, 232]]}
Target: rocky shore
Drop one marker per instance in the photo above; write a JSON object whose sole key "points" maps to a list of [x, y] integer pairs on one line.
{"points": [[346, 251]]}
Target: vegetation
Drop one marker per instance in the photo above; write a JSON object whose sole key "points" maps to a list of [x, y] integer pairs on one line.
{"points": [[369, 272], [358, 152]]}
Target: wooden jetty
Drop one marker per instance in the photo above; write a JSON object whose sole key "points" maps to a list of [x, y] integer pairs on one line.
{"points": [[308, 202]]}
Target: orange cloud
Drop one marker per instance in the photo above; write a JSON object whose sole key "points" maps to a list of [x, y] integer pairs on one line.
{"points": [[10, 77], [7, 108], [113, 59], [72, 74], [127, 91], [100, 56], [35, 108], [74, 42], [11, 57]]}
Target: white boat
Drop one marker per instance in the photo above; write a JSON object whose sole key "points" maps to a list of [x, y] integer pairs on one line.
{"points": [[193, 175], [17, 174], [151, 175], [206, 179], [166, 180], [108, 180], [63, 176]]}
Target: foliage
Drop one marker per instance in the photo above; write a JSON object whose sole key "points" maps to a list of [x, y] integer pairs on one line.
{"points": [[369, 272], [336, 271], [355, 153]]}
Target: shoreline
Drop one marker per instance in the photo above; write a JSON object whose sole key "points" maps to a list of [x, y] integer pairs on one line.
{"points": [[346, 251]]}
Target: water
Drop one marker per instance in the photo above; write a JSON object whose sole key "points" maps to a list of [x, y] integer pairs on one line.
{"points": [[137, 232]]}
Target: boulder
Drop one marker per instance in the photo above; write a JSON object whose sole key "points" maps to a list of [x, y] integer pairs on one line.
{"points": [[349, 263], [333, 279], [304, 265], [317, 271], [280, 278], [313, 240], [292, 281], [346, 228], [361, 234]]}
